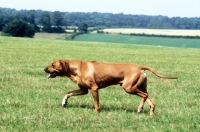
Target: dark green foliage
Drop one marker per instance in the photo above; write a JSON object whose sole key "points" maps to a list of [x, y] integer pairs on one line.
{"points": [[45, 19], [71, 37], [164, 36], [19, 28], [53, 30], [83, 27], [95, 19], [53, 26], [100, 31], [57, 19]]}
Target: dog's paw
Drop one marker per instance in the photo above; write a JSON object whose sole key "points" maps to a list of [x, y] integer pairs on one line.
{"points": [[64, 102], [140, 110]]}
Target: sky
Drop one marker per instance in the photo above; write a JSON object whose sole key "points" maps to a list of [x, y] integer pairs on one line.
{"points": [[170, 8]]}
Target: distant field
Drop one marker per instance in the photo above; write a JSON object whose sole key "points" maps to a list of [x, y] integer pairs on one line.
{"points": [[30, 102], [142, 40], [52, 36], [127, 39], [155, 31]]}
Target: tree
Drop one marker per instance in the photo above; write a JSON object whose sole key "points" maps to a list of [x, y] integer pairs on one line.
{"points": [[1, 20], [155, 22], [19, 28], [64, 22], [20, 16], [76, 23], [83, 27], [108, 24], [31, 17], [45, 19], [57, 19], [96, 19]]}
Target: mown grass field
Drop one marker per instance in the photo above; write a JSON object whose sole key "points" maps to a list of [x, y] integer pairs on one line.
{"points": [[31, 102], [142, 40]]}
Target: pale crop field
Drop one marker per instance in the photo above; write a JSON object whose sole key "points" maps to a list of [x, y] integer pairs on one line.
{"points": [[167, 32], [31, 102]]}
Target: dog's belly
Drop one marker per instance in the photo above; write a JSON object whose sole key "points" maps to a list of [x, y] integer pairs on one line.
{"points": [[107, 81]]}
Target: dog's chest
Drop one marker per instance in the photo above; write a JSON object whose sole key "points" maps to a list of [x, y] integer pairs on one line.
{"points": [[75, 79]]}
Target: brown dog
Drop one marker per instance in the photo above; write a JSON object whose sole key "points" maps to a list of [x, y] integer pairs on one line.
{"points": [[92, 75]]}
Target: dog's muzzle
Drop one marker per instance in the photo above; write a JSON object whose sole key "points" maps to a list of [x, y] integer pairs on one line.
{"points": [[51, 75]]}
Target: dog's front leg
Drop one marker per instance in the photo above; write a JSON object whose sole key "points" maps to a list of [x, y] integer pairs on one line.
{"points": [[81, 91], [96, 100], [64, 101]]}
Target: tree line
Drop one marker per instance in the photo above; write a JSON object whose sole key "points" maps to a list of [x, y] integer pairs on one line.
{"points": [[55, 21]]}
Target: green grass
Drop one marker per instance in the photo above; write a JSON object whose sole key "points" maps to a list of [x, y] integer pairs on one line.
{"points": [[31, 102], [143, 40]]}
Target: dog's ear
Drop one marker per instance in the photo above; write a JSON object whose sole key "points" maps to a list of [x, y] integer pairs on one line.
{"points": [[65, 65]]}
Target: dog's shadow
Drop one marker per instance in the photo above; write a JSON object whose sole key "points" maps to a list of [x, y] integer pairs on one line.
{"points": [[107, 108]]}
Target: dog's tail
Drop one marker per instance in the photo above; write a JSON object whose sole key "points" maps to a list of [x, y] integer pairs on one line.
{"points": [[156, 73]]}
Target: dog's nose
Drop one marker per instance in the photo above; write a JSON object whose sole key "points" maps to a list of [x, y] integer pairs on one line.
{"points": [[45, 69]]}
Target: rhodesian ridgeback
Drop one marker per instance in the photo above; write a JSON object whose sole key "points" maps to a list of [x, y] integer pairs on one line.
{"points": [[93, 75]]}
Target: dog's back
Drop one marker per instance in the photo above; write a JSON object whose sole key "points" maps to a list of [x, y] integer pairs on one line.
{"points": [[106, 74]]}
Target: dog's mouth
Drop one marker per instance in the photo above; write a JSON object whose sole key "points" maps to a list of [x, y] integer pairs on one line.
{"points": [[52, 75]]}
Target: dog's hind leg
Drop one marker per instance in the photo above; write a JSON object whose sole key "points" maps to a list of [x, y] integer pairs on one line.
{"points": [[152, 105], [134, 86], [140, 107], [149, 101], [81, 91], [138, 87], [143, 88]]}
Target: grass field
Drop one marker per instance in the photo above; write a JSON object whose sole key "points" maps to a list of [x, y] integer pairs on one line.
{"points": [[31, 102], [52, 36], [142, 40]]}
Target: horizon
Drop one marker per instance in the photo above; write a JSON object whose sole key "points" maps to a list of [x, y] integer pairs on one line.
{"points": [[168, 8], [93, 12]]}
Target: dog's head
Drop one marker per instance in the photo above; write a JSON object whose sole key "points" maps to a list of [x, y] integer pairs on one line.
{"points": [[58, 68]]}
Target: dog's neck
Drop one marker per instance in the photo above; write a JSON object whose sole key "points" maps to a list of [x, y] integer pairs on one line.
{"points": [[73, 70], [73, 67], [73, 74]]}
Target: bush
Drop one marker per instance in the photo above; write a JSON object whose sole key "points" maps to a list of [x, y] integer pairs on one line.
{"points": [[72, 36], [100, 31], [19, 28], [83, 27]]}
